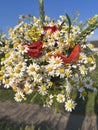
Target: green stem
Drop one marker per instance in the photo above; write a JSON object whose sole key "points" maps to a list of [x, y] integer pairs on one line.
{"points": [[41, 9]]}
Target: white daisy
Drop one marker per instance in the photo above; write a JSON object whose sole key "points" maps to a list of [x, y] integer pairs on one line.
{"points": [[19, 96], [27, 88], [69, 105], [42, 89], [60, 98], [49, 101], [33, 68], [88, 82]]}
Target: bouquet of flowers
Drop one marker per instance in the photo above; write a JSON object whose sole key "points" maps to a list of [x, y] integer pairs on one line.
{"points": [[49, 59]]}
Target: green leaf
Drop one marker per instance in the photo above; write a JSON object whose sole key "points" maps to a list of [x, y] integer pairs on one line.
{"points": [[69, 22]]}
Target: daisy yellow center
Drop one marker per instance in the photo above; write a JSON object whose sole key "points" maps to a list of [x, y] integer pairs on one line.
{"points": [[81, 84], [7, 55], [7, 81], [1, 77], [87, 82], [9, 63], [70, 105], [47, 99], [91, 46], [84, 93], [44, 88], [62, 71], [32, 69], [2, 59], [50, 84], [20, 66], [50, 69], [58, 51], [80, 57], [27, 88], [57, 34], [22, 48], [17, 71], [89, 59], [67, 73], [15, 56], [2, 68], [16, 44], [57, 61], [60, 97], [94, 85], [84, 68], [19, 96], [69, 40], [14, 88], [72, 82], [6, 47]]}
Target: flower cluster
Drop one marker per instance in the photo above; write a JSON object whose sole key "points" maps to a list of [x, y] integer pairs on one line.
{"points": [[48, 61]]}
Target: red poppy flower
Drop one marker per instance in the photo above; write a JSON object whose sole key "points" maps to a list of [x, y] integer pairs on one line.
{"points": [[72, 57], [34, 49], [51, 28]]}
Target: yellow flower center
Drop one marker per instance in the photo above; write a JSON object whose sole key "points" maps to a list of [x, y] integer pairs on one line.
{"points": [[60, 97], [26, 89], [67, 73], [2, 68], [94, 85], [47, 99], [9, 63], [17, 71], [19, 96], [32, 69], [87, 82], [80, 57], [81, 84], [62, 71], [50, 69], [14, 88], [70, 105], [2, 59], [57, 61], [89, 59], [15, 44], [1, 77], [84, 68], [7, 81], [44, 88], [84, 93], [50, 84], [7, 55], [20, 66], [22, 48], [69, 40]]}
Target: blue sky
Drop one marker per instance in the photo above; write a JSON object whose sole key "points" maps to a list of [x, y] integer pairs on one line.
{"points": [[10, 10]]}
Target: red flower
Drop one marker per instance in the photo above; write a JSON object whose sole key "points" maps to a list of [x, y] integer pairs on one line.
{"points": [[34, 49], [72, 57], [51, 28]]}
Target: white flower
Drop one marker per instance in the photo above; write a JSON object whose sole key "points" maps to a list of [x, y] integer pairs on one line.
{"points": [[88, 82], [55, 62], [61, 98], [83, 69], [42, 89], [27, 88], [22, 49], [83, 93], [19, 96], [32, 69], [49, 101], [69, 105]]}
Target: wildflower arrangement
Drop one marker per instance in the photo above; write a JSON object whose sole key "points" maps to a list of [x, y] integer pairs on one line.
{"points": [[49, 59]]}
